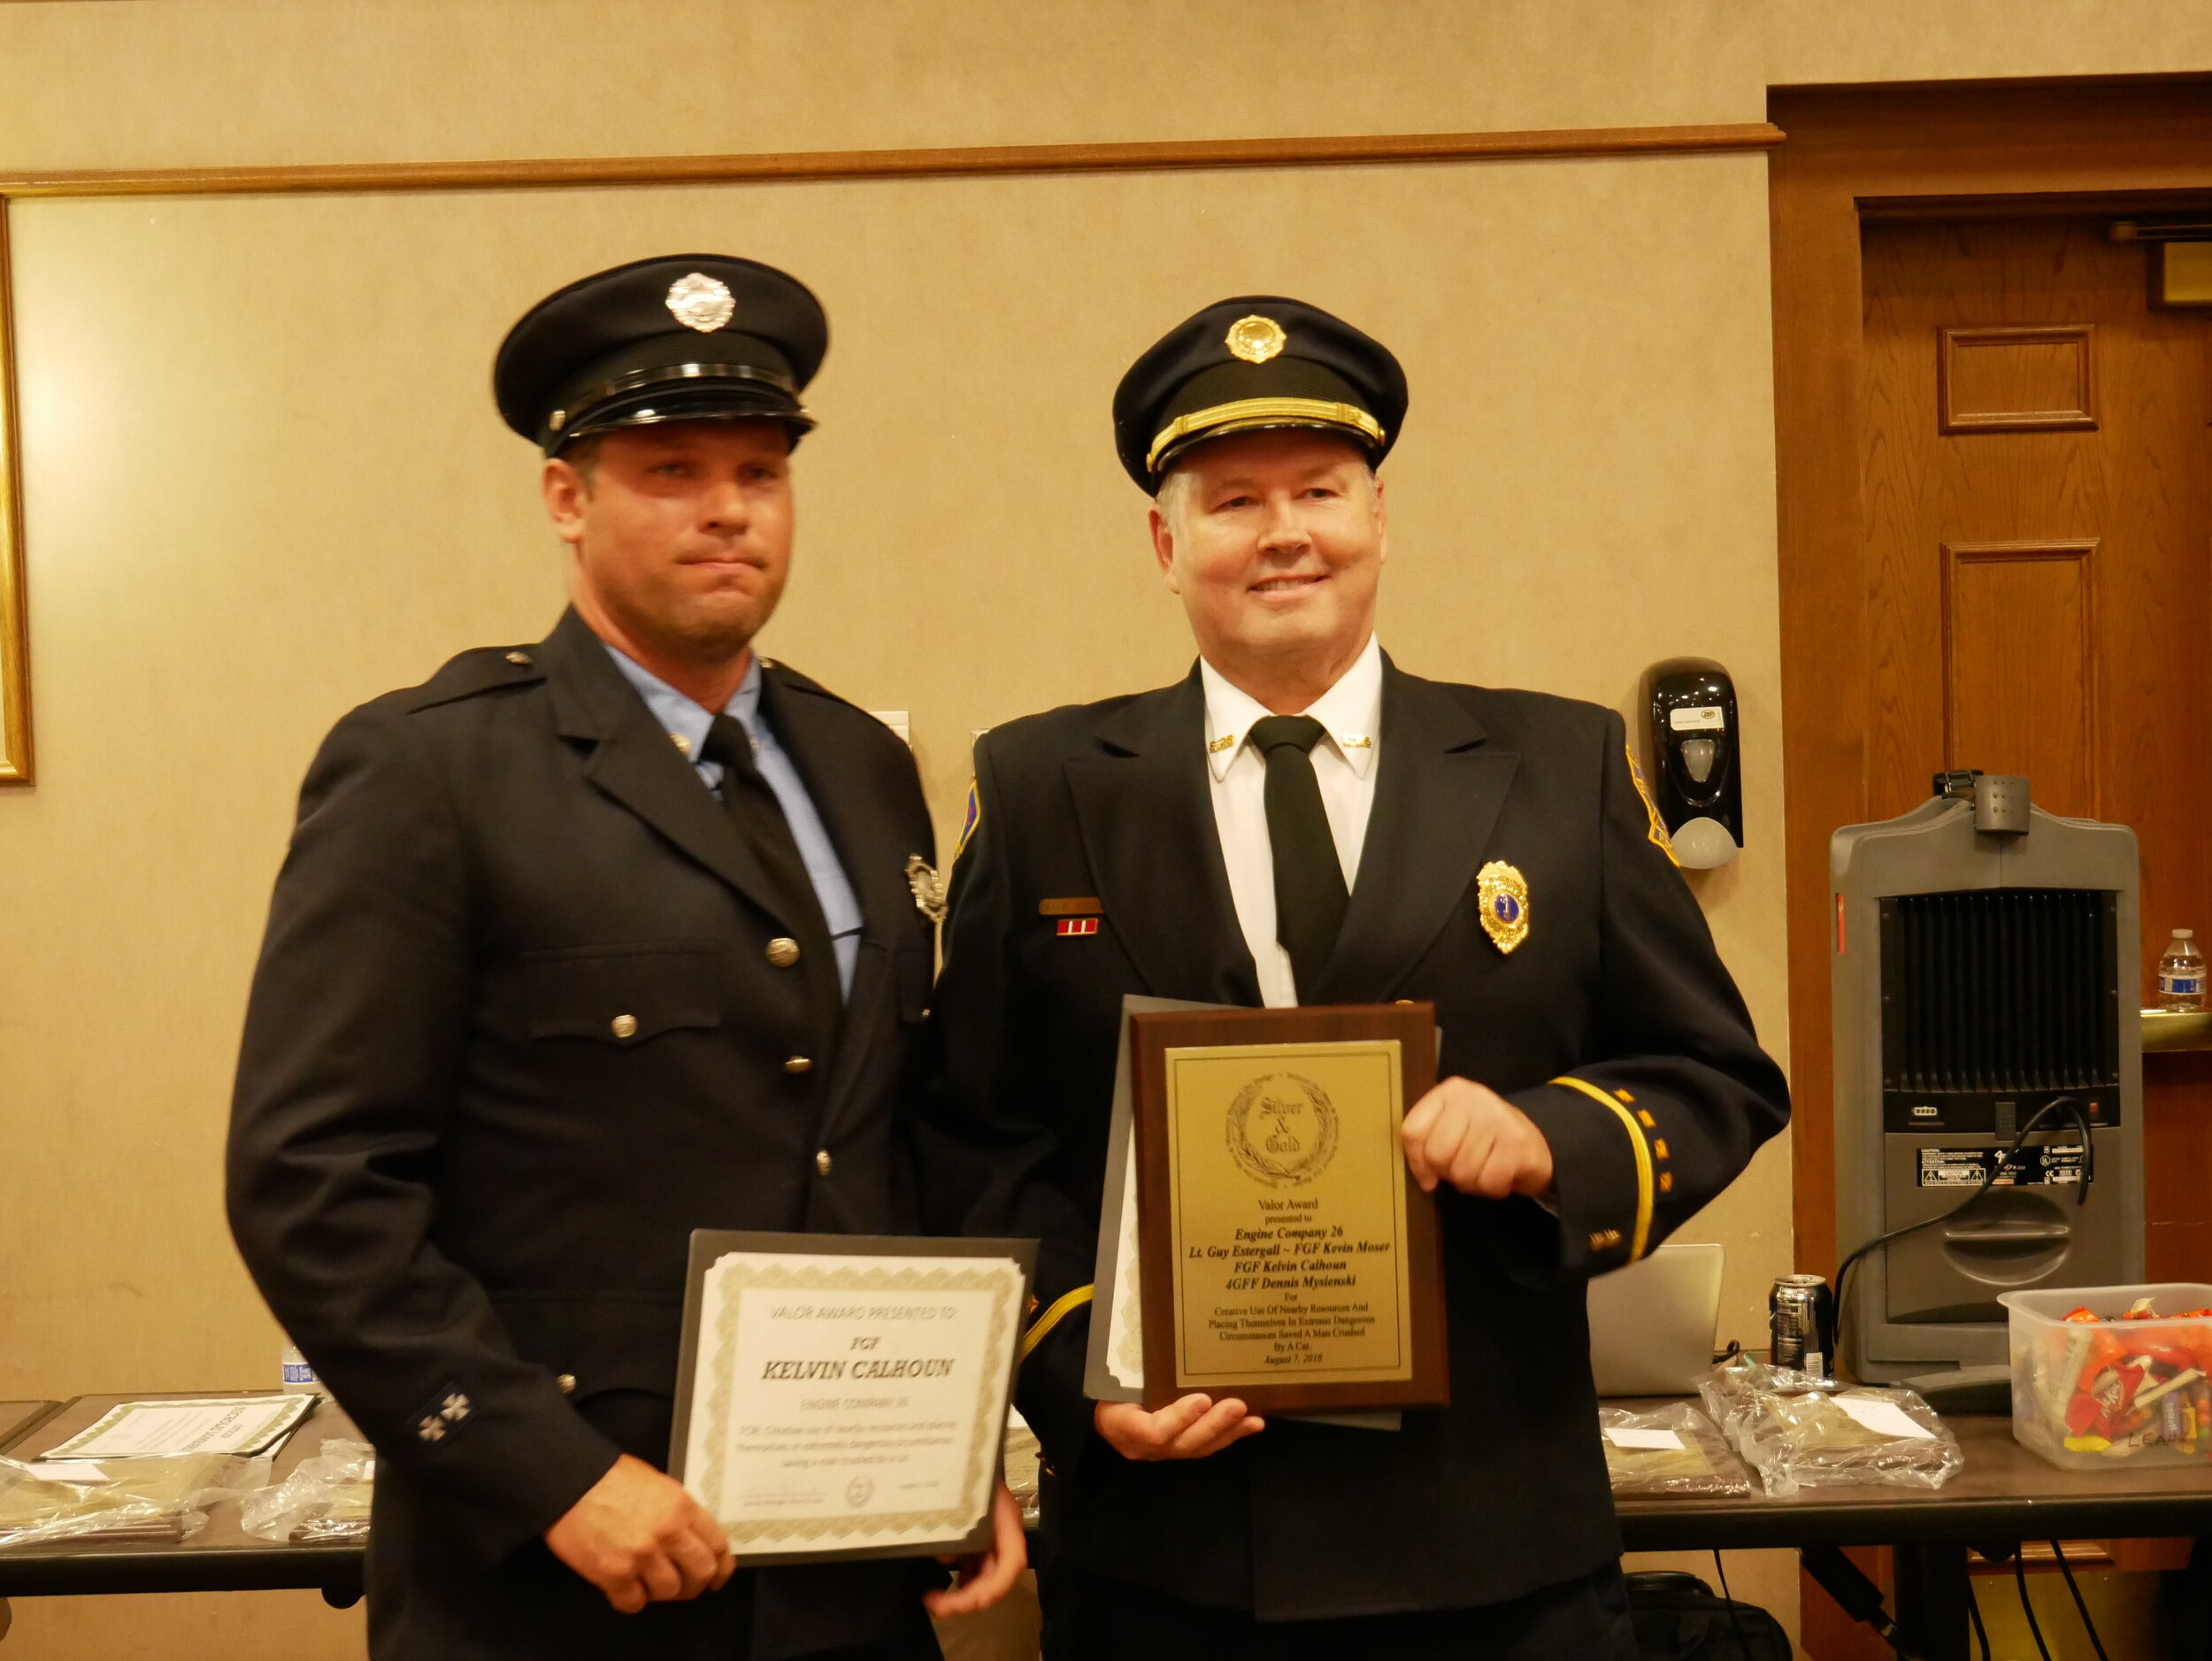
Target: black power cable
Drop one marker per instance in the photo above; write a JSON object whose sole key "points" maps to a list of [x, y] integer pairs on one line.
{"points": [[2005, 1161], [1736, 1620], [2088, 1625], [2027, 1608], [1974, 1614]]}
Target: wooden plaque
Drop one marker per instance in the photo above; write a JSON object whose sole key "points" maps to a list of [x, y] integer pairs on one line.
{"points": [[1289, 1259]]}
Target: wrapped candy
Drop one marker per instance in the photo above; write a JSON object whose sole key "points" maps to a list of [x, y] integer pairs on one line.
{"points": [[2117, 1391]]}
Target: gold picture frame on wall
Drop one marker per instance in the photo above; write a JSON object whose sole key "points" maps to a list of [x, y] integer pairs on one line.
{"points": [[15, 634]]}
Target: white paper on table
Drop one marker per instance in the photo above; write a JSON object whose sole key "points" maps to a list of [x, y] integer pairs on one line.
{"points": [[221, 1425], [1883, 1419], [83, 1472], [1629, 1436]]}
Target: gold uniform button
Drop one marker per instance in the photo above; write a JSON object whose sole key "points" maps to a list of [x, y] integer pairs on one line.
{"points": [[624, 1025], [799, 1063], [520, 659], [783, 952], [566, 1383], [822, 1162]]}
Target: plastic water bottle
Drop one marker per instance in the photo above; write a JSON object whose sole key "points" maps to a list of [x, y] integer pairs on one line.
{"points": [[2181, 974], [299, 1378]]}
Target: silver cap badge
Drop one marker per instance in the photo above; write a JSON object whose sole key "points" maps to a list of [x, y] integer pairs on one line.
{"points": [[700, 302], [928, 888]]}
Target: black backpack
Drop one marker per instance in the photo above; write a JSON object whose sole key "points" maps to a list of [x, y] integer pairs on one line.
{"points": [[1677, 1618]]}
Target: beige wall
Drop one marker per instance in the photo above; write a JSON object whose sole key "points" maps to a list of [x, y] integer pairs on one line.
{"points": [[264, 479]]}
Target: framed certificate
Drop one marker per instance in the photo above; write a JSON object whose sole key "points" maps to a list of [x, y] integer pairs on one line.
{"points": [[844, 1395], [1287, 1258]]}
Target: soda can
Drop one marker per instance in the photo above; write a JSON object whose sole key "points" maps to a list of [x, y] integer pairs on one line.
{"points": [[1801, 1318]]}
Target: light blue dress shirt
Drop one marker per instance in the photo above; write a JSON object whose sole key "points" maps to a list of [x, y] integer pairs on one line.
{"points": [[680, 718]]}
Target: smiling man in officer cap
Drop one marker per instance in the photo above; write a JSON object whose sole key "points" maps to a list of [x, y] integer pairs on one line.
{"points": [[580, 946], [1299, 820]]}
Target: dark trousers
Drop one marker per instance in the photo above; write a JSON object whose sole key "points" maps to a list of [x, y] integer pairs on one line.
{"points": [[1088, 1619]]}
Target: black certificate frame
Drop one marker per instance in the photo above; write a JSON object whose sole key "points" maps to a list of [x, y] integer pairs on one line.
{"points": [[709, 1245]]}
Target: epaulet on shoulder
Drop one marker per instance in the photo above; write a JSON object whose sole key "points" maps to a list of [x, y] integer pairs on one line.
{"points": [[1063, 723], [797, 681], [482, 669], [792, 681], [1496, 705]]}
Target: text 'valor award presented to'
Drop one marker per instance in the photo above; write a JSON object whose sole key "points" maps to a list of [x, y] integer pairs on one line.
{"points": [[1286, 1257]]}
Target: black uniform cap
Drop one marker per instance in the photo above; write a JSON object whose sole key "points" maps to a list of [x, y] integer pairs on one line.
{"points": [[680, 337], [1255, 362]]}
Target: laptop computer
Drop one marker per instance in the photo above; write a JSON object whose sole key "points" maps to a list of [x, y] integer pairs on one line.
{"points": [[1652, 1324]]}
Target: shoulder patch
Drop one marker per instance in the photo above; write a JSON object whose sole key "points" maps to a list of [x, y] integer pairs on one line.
{"points": [[483, 669], [971, 817], [1658, 832]]}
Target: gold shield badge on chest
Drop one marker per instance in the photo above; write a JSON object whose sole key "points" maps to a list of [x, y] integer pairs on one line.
{"points": [[1501, 893]]}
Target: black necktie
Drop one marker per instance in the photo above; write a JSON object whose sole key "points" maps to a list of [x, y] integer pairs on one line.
{"points": [[751, 803], [1309, 892]]}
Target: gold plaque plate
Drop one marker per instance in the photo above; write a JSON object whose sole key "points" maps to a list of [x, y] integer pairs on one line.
{"points": [[1288, 1214]]}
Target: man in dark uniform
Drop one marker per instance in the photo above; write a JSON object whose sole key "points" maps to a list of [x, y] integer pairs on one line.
{"points": [[1299, 820], [580, 946]]}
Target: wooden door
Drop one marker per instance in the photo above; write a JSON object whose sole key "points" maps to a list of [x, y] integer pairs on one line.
{"points": [[2037, 491]]}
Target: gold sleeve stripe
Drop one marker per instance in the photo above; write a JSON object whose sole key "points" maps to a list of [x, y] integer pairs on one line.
{"points": [[1040, 1329], [1658, 832], [1642, 1236]]}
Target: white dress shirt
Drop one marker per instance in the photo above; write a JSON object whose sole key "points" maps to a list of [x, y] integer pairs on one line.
{"points": [[1350, 713]]}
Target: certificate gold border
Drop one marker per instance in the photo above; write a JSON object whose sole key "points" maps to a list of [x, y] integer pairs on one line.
{"points": [[733, 1275]]}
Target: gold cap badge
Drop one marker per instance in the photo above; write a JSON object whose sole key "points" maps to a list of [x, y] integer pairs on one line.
{"points": [[701, 302], [1255, 339], [1502, 892]]}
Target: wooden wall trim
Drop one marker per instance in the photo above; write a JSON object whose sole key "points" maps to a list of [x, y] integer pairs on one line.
{"points": [[768, 166], [15, 664]]}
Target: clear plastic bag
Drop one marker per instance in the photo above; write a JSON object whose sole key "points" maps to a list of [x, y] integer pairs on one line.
{"points": [[1674, 1451], [1800, 1432], [156, 1499], [325, 1497]]}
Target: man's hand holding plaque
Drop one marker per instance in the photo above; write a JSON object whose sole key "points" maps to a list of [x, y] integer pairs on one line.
{"points": [[1467, 1134]]}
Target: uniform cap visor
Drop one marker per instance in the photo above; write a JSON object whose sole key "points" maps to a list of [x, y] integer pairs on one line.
{"points": [[716, 399], [1370, 445]]}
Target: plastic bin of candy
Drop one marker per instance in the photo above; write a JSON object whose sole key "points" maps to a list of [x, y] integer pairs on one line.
{"points": [[2105, 1373]]}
